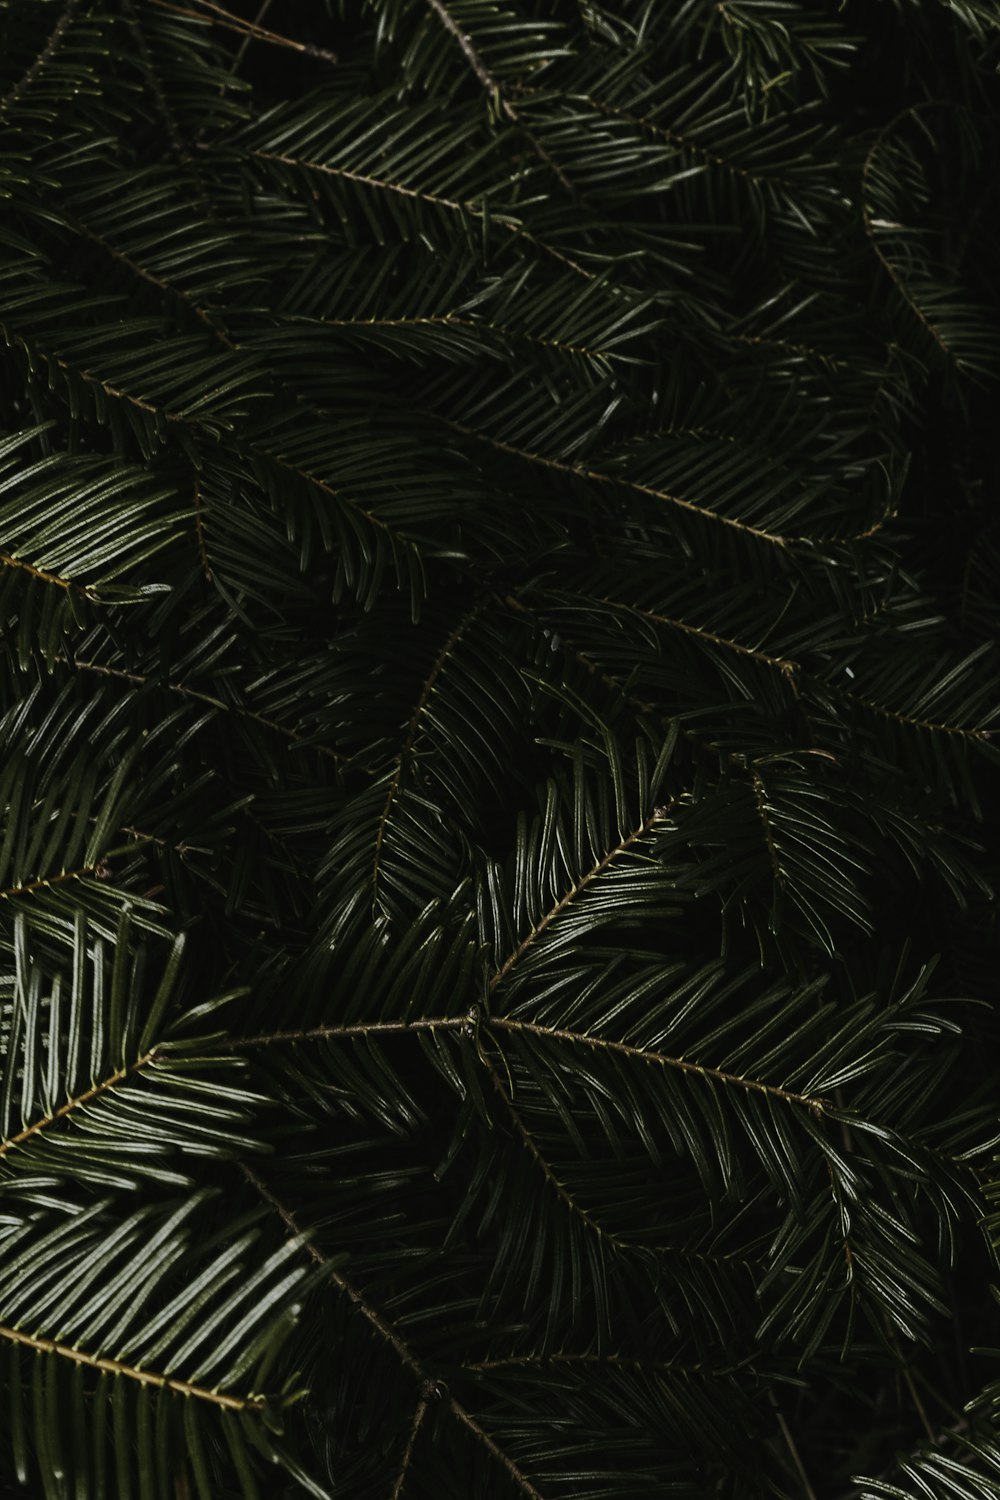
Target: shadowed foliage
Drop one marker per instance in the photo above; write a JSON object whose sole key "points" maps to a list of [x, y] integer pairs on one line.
{"points": [[499, 711]]}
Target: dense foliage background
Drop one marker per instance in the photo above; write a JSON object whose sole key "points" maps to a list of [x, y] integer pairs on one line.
{"points": [[499, 726]]}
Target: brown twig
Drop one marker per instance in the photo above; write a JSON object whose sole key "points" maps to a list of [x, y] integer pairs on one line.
{"points": [[418, 1417], [79, 1101], [138, 680], [581, 471], [574, 891], [492, 87], [248, 29], [131, 1372]]}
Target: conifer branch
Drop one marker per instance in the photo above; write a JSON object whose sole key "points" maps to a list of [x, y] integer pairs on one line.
{"points": [[640, 705], [540, 309], [788, 669], [705, 747], [334, 492], [428, 1385], [203, 314], [759, 341], [80, 1101], [248, 29], [419, 1413], [43, 884], [137, 679], [131, 1372], [48, 51], [544, 1165], [13, 339], [517, 1027], [199, 528], [931, 725], [575, 891], [686, 143], [493, 89], [514, 1473], [888, 265], [9, 561], [433, 200], [760, 802], [452, 320], [581, 471], [363, 179], [412, 732], [153, 80]]}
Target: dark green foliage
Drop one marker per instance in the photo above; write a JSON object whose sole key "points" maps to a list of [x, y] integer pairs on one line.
{"points": [[498, 793]]}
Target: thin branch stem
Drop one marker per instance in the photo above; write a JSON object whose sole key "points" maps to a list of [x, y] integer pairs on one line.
{"points": [[359, 1030], [625, 1049], [492, 87], [574, 891], [241, 51], [199, 527], [452, 320], [782, 664], [363, 180], [428, 1385], [956, 1416], [544, 1165], [482, 1436], [412, 733], [512, 227], [183, 848], [918, 1404], [469, 52], [904, 1370], [616, 1361], [929, 724], [41, 885], [513, 1026], [79, 1101], [8, 561], [52, 42], [762, 341], [130, 1372], [248, 29], [580, 471], [138, 680], [418, 1417]]}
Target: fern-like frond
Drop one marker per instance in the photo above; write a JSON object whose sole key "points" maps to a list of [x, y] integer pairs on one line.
{"points": [[94, 1090], [177, 1347]]}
